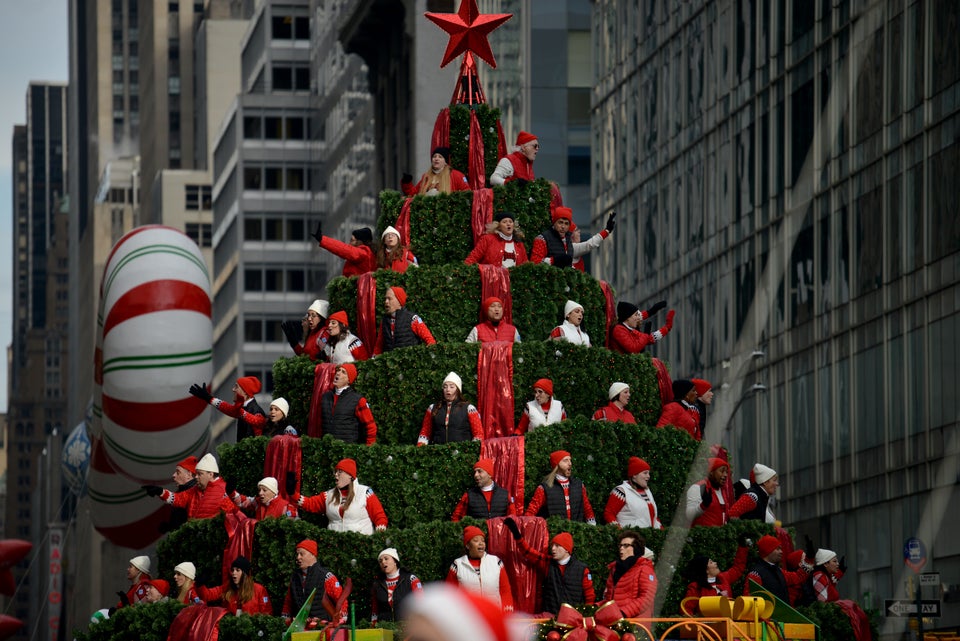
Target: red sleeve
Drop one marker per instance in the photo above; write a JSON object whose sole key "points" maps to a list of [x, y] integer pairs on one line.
{"points": [[375, 511], [753, 576], [210, 594], [365, 416], [614, 504], [506, 594], [458, 182], [524, 423], [287, 605], [669, 414], [733, 574], [341, 249], [426, 429], [230, 409], [256, 421], [557, 332], [797, 577], [821, 585], [262, 598], [476, 424], [334, 590], [646, 591], [629, 341], [600, 414], [178, 499], [452, 575], [478, 251], [410, 189], [538, 557], [420, 329], [744, 504], [588, 594], [461, 510], [587, 508], [512, 508], [608, 588], [520, 251], [359, 351], [536, 502], [539, 250], [378, 346], [316, 504]]}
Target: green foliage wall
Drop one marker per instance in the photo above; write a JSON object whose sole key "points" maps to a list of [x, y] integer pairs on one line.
{"points": [[487, 118]]}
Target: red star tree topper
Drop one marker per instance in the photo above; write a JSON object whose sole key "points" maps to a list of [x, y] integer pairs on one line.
{"points": [[468, 31]]}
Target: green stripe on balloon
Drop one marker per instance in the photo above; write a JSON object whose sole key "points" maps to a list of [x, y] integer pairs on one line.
{"points": [[169, 459], [153, 249]]}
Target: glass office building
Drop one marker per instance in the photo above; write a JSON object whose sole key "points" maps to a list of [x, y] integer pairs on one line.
{"points": [[786, 176]]}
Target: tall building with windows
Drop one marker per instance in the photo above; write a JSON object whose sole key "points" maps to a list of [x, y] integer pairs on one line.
{"points": [[786, 173]]}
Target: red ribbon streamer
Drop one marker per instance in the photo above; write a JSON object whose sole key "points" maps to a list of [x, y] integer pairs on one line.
{"points": [[283, 455], [240, 541], [441, 130], [477, 177], [366, 324], [322, 381], [196, 623], [495, 388], [525, 578], [403, 221], [508, 466], [610, 311], [495, 281], [482, 212]]}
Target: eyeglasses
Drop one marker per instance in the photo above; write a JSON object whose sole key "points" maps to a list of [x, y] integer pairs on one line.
{"points": [[535, 145], [626, 545]]}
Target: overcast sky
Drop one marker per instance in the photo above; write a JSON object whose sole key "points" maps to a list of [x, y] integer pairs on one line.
{"points": [[33, 46]]}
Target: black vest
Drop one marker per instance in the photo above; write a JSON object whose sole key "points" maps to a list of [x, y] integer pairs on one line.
{"points": [[566, 588], [773, 580], [340, 421], [556, 506], [555, 243], [316, 578], [243, 428], [457, 429], [477, 503], [758, 513], [402, 334], [386, 612]]}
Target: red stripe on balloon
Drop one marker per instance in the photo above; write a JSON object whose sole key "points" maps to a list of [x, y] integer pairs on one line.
{"points": [[130, 234], [99, 459], [152, 417], [157, 296], [138, 534]]}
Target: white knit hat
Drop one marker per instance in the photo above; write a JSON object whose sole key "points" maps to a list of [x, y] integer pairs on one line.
{"points": [[454, 378], [762, 473], [270, 483], [187, 569], [208, 464], [570, 306], [824, 555], [319, 306], [390, 552], [390, 230], [281, 404], [615, 390], [142, 563]]}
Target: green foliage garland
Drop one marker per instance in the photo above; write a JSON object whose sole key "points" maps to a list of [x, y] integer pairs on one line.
{"points": [[144, 622], [487, 118]]}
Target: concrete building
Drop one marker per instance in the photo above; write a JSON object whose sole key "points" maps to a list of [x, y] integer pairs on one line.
{"points": [[786, 176]]}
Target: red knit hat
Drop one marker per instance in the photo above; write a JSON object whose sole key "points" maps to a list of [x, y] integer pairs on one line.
{"points": [[564, 540], [485, 464], [524, 137], [558, 456], [163, 586], [636, 465], [470, 532], [400, 294], [347, 465], [716, 464], [561, 212], [340, 317], [250, 384], [794, 559], [490, 300], [545, 384], [309, 545], [351, 371], [767, 544], [189, 464], [701, 385]]}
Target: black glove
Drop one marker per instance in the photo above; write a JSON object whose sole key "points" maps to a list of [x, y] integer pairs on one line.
{"points": [[843, 564], [521, 182], [293, 330], [660, 304], [111, 611], [611, 223], [809, 549], [744, 541], [318, 234], [512, 526], [123, 598], [231, 486], [200, 391], [291, 483], [152, 490], [563, 260], [706, 496], [406, 178]]}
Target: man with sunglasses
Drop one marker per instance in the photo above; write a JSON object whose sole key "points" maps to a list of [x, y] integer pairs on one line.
{"points": [[519, 164]]}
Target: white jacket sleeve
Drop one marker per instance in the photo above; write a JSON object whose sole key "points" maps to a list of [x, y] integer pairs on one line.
{"points": [[503, 171], [693, 502], [579, 249]]}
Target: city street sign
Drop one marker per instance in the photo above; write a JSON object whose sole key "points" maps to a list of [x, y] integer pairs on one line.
{"points": [[904, 608], [930, 578], [914, 554]]}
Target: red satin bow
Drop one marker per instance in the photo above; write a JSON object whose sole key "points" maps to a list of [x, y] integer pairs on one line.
{"points": [[595, 627]]}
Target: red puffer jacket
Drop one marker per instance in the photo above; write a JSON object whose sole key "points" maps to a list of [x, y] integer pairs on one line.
{"points": [[635, 591]]}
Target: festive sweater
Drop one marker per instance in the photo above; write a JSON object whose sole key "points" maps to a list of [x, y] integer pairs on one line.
{"points": [[570, 333], [635, 590], [825, 585], [512, 166], [250, 416], [258, 604], [487, 332], [752, 504], [612, 413], [485, 576], [536, 415], [630, 340], [487, 503], [347, 349], [402, 329], [628, 506], [360, 259], [567, 498], [364, 514], [722, 584], [461, 422], [387, 593], [682, 416], [496, 249]]}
